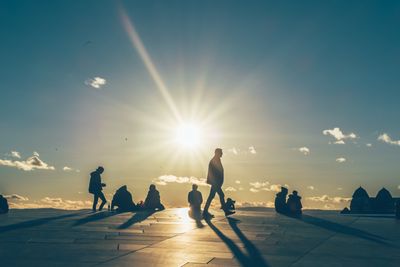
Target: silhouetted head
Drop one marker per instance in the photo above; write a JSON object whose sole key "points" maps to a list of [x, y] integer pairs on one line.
{"points": [[295, 193], [194, 187], [284, 190], [124, 188], [218, 152], [100, 169], [152, 187], [230, 200]]}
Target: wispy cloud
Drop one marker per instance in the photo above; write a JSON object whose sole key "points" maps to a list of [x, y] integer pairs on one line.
{"points": [[237, 182], [368, 145], [31, 163], [51, 202], [252, 150], [339, 135], [245, 151], [341, 160], [388, 140], [265, 186], [166, 179], [234, 150], [326, 198], [305, 150], [311, 187], [248, 204], [16, 197], [96, 82], [15, 154], [231, 189]]}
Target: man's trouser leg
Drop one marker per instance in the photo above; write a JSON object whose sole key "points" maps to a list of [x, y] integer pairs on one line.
{"points": [[103, 199], [95, 199], [209, 199], [221, 197]]}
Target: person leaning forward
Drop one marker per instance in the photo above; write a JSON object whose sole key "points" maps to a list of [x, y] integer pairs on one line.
{"points": [[96, 187]]}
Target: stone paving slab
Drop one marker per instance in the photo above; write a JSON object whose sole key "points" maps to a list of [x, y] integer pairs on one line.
{"points": [[252, 237]]}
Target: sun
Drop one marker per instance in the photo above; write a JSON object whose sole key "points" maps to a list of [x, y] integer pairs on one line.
{"points": [[188, 135]]}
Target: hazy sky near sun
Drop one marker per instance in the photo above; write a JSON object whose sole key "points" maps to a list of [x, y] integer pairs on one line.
{"points": [[297, 93]]}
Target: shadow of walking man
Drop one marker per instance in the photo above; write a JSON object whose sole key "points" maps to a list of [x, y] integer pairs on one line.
{"points": [[138, 217], [254, 258]]}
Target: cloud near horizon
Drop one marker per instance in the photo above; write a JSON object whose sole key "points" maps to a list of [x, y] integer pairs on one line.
{"points": [[31, 163], [388, 140], [265, 186], [49, 202], [304, 150], [326, 198], [16, 197], [166, 179], [341, 160], [339, 136], [96, 82]]}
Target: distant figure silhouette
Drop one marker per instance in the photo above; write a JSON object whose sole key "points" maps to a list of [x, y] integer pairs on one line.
{"points": [[230, 203], [294, 204], [215, 178], [195, 199], [96, 187], [280, 201], [3, 205], [153, 201], [123, 200], [398, 209]]}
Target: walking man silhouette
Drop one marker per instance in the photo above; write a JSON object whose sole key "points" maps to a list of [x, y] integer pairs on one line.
{"points": [[215, 178], [96, 187]]}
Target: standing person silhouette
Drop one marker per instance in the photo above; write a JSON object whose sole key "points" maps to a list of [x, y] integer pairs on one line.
{"points": [[215, 178], [96, 187]]}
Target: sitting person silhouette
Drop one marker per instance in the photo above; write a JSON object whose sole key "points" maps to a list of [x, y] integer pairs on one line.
{"points": [[397, 209], [123, 200], [230, 204], [96, 187], [280, 201], [152, 201], [3, 205], [195, 199], [294, 204]]}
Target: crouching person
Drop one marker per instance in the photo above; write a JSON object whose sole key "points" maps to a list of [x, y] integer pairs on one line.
{"points": [[294, 204], [3, 205], [123, 200], [153, 201]]}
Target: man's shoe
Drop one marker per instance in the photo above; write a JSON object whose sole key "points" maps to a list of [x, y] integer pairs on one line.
{"points": [[229, 212]]}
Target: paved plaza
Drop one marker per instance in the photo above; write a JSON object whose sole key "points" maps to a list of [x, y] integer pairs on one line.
{"points": [[252, 237]]}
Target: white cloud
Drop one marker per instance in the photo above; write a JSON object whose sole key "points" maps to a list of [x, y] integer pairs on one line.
{"points": [[241, 188], [252, 150], [15, 154], [96, 82], [398, 187], [339, 135], [326, 198], [31, 163], [165, 179], [67, 169], [340, 142], [36, 154], [234, 150], [304, 150], [231, 189], [51, 202], [341, 160], [311, 187], [369, 145], [237, 182], [265, 186], [16, 197], [339, 188], [387, 139]]}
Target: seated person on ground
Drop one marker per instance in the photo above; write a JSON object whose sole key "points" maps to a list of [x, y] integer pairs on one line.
{"points": [[3, 205], [294, 203], [123, 200], [230, 204], [280, 201], [195, 200], [152, 201]]}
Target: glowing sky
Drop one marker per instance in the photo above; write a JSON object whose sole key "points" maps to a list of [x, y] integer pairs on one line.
{"points": [[298, 94]]}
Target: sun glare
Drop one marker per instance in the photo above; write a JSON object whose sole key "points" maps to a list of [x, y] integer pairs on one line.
{"points": [[188, 135]]}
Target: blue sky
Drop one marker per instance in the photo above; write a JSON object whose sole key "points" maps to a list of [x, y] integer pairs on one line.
{"points": [[272, 75]]}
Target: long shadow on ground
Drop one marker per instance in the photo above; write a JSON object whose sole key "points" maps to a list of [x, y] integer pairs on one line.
{"points": [[342, 229], [94, 217], [137, 217], [254, 258], [35, 222]]}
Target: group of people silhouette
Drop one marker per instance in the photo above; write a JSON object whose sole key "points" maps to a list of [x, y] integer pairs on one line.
{"points": [[122, 198], [292, 206]]}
